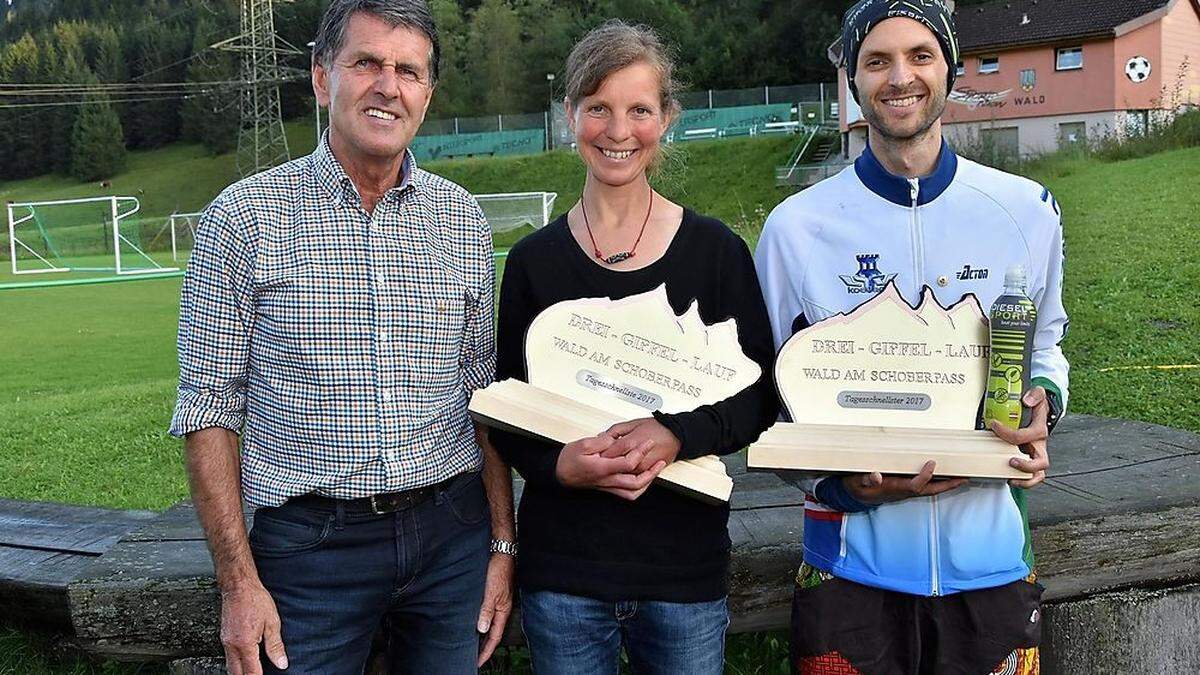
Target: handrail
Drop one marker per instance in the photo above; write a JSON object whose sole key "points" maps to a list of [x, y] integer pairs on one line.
{"points": [[794, 159]]}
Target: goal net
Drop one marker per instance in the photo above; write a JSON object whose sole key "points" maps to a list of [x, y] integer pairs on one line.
{"points": [[183, 234], [177, 234], [95, 234], [512, 210]]}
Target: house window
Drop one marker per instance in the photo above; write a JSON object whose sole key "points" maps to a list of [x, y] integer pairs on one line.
{"points": [[1068, 58], [960, 69], [989, 64], [1072, 133], [1000, 144]]}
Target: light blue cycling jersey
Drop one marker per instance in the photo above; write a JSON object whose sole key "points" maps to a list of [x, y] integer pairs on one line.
{"points": [[834, 245]]}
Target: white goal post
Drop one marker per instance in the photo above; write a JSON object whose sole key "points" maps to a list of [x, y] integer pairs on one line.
{"points": [[179, 229], [507, 211], [94, 234], [183, 230]]}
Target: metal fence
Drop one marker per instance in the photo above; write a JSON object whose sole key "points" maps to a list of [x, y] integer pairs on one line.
{"points": [[817, 99], [477, 125], [814, 104], [727, 98]]}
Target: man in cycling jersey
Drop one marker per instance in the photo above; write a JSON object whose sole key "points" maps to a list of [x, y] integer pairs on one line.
{"points": [[911, 574]]}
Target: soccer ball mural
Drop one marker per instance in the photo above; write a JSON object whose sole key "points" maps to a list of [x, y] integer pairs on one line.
{"points": [[1137, 69]]}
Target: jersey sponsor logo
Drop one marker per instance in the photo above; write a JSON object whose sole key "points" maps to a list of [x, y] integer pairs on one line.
{"points": [[1049, 199], [868, 278], [968, 273]]}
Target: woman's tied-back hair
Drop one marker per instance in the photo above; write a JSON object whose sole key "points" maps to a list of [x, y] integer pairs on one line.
{"points": [[612, 46]]}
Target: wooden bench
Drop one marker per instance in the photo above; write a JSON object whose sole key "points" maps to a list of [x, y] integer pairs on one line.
{"points": [[1115, 531], [710, 132], [788, 127], [44, 546]]}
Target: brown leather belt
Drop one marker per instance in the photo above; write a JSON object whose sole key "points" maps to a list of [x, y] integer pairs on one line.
{"points": [[387, 502]]}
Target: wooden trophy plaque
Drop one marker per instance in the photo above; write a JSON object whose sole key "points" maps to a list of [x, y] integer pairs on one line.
{"points": [[886, 387], [595, 362]]}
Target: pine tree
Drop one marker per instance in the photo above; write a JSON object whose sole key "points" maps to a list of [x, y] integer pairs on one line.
{"points": [[20, 126], [62, 62], [105, 54], [154, 48], [548, 31], [211, 117], [97, 142], [295, 22], [453, 94], [495, 43]]}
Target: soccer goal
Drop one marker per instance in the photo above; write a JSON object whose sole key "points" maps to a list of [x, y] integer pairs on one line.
{"points": [[95, 234], [511, 210], [183, 234], [179, 231]]}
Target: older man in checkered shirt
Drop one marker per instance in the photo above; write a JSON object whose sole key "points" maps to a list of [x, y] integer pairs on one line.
{"points": [[336, 314]]}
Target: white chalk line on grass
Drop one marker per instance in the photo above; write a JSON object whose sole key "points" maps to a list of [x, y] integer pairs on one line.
{"points": [[147, 276]]}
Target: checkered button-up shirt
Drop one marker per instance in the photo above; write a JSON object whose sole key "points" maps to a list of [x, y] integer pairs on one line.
{"points": [[342, 345]]}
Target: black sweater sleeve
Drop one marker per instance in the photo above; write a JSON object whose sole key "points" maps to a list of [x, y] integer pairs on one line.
{"points": [[535, 460], [729, 425]]}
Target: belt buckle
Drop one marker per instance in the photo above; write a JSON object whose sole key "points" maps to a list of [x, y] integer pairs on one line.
{"points": [[391, 502], [376, 509]]}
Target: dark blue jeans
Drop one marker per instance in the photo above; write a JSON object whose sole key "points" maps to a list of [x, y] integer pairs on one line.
{"points": [[569, 634], [335, 576]]}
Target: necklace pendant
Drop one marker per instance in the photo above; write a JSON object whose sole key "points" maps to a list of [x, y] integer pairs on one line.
{"points": [[618, 257]]}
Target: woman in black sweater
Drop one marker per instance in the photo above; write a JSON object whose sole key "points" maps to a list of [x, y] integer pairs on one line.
{"points": [[607, 558]]}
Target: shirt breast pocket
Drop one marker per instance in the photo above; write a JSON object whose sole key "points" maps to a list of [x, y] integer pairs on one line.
{"points": [[440, 314]]}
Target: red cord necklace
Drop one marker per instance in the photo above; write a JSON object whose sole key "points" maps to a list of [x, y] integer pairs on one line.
{"points": [[623, 255]]}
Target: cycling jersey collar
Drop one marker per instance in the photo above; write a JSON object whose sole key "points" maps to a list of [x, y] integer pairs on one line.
{"points": [[896, 189]]}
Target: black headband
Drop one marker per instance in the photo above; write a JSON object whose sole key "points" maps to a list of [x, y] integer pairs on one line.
{"points": [[866, 14]]}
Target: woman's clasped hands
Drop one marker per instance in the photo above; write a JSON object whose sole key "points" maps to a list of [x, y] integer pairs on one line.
{"points": [[623, 460]]}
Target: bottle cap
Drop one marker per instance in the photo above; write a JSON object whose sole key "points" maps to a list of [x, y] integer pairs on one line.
{"points": [[1015, 277]]}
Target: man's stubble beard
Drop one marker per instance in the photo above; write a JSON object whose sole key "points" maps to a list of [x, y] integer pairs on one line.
{"points": [[936, 105]]}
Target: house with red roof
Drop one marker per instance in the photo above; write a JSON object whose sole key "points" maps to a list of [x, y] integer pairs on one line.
{"points": [[1037, 74]]}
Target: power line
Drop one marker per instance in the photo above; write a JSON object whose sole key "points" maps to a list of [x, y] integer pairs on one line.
{"points": [[94, 85], [165, 96], [185, 59], [293, 51], [58, 104], [84, 89]]}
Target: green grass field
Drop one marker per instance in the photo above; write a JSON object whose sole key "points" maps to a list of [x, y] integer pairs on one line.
{"points": [[89, 372], [726, 178]]}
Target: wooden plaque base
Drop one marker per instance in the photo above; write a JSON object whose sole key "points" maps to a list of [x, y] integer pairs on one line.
{"points": [[513, 405], [831, 448]]}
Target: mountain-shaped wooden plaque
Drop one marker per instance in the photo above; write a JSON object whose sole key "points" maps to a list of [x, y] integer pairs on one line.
{"points": [[595, 361], [886, 387]]}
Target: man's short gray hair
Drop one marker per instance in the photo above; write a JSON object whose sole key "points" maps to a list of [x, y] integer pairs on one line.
{"points": [[415, 14]]}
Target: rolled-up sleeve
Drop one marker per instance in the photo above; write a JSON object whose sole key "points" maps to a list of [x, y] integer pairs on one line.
{"points": [[216, 314], [479, 338]]}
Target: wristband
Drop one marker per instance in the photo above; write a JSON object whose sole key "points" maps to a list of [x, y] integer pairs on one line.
{"points": [[504, 546]]}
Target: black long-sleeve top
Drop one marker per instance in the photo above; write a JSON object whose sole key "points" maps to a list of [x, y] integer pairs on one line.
{"points": [[663, 546]]}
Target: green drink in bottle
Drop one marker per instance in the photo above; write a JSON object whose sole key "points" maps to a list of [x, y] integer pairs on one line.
{"points": [[1013, 321]]}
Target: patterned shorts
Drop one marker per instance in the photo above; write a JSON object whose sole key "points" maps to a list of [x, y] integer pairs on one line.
{"points": [[1021, 661]]}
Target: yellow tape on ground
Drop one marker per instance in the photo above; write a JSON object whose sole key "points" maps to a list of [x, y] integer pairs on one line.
{"points": [[1183, 366]]}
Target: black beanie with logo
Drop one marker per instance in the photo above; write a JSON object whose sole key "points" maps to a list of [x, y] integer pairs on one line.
{"points": [[866, 14]]}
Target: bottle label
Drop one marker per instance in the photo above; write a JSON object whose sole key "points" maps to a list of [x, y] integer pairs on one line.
{"points": [[1012, 324]]}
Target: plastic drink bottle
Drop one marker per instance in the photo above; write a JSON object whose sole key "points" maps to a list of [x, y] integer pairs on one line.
{"points": [[1012, 323]]}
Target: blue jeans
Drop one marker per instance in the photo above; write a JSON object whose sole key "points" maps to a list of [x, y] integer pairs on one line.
{"points": [[571, 634], [335, 576]]}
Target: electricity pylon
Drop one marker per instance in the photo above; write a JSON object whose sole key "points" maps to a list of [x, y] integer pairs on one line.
{"points": [[261, 141]]}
